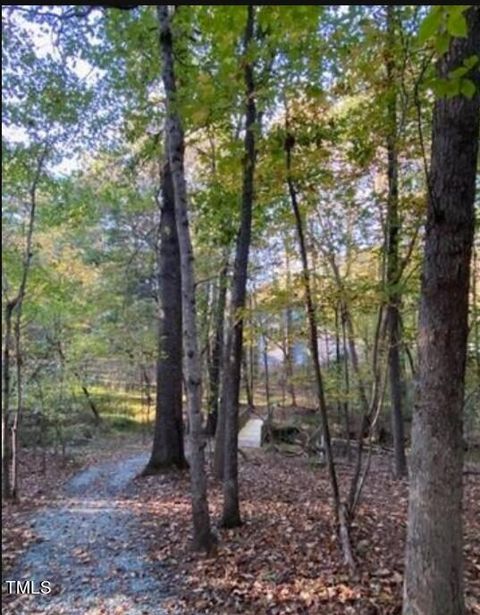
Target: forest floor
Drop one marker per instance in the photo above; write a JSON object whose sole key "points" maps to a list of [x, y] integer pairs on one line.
{"points": [[84, 541], [112, 545]]}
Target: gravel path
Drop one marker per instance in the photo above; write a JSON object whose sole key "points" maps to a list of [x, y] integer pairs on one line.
{"points": [[87, 550]]}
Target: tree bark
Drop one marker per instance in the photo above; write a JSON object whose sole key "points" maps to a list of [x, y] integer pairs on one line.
{"points": [[267, 381], [434, 553], [6, 388], [393, 262], [168, 446], [91, 403], [219, 456], [217, 351], [231, 507], [343, 411], [203, 538], [475, 313], [369, 407], [289, 359], [252, 353], [312, 323], [246, 381], [14, 308], [339, 506], [57, 344]]}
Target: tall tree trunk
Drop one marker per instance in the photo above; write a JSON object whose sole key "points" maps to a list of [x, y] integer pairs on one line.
{"points": [[168, 445], [267, 387], [393, 264], [312, 322], [289, 359], [219, 456], [346, 372], [369, 407], [91, 403], [6, 396], [203, 538], [58, 346], [217, 350], [252, 354], [434, 553], [231, 507], [207, 309], [246, 381], [266, 374], [342, 405], [475, 313], [14, 308], [340, 509]]}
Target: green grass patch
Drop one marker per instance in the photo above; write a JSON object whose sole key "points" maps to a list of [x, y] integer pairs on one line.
{"points": [[120, 422], [117, 402]]}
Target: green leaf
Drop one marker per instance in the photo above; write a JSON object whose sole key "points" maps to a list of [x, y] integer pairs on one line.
{"points": [[457, 24], [453, 88], [446, 87], [470, 62], [442, 43], [458, 72], [467, 88], [430, 24]]}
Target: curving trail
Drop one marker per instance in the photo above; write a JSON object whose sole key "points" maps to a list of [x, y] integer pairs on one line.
{"points": [[88, 550]]}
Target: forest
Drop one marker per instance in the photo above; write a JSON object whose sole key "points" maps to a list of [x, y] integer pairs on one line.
{"points": [[240, 309]]}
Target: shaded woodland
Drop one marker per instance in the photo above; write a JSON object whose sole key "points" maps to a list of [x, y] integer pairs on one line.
{"points": [[240, 307]]}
